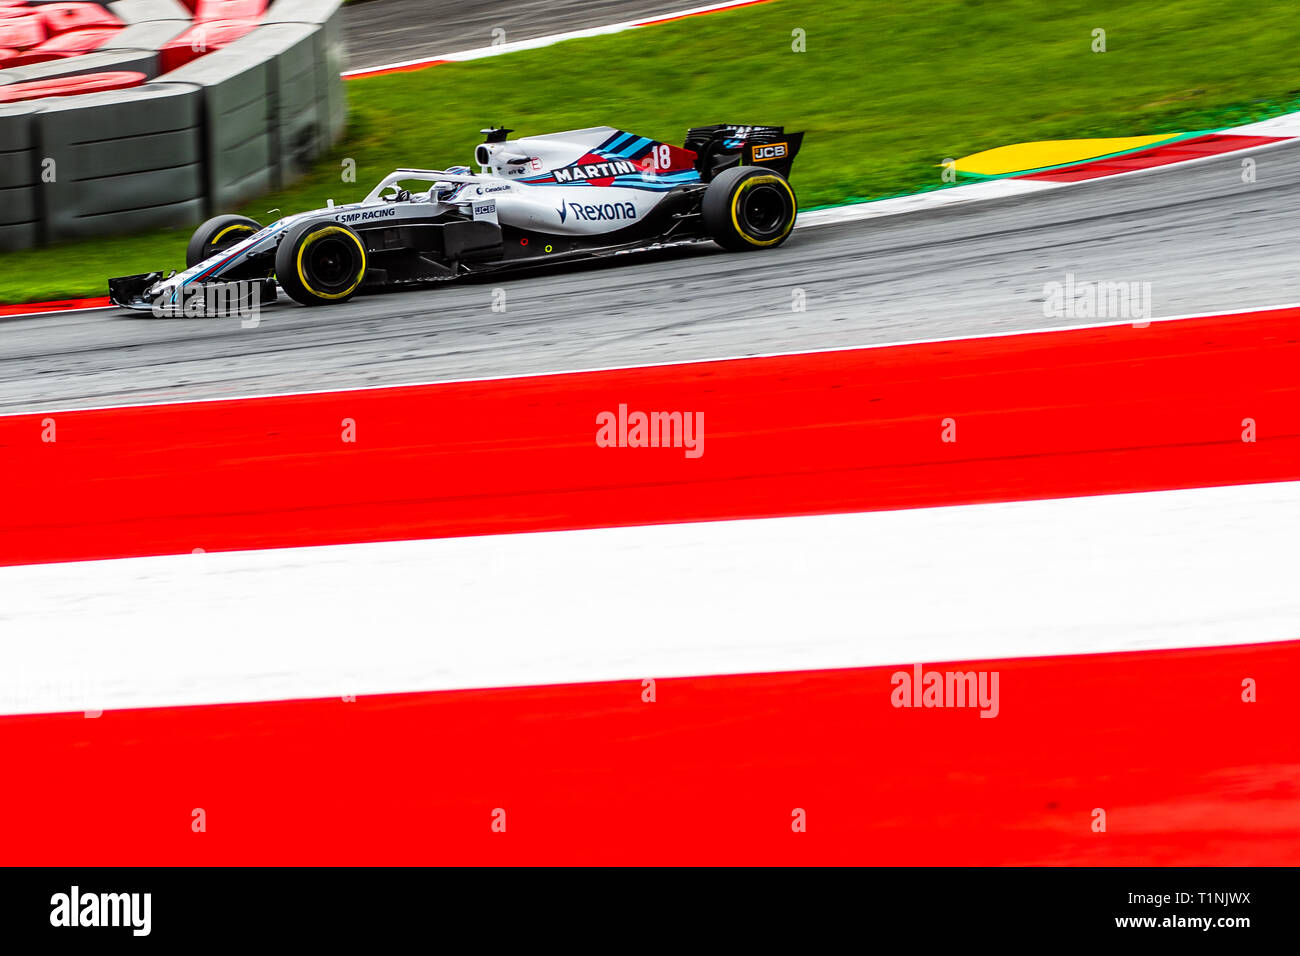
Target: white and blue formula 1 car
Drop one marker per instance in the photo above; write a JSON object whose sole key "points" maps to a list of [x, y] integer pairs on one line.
{"points": [[535, 199]]}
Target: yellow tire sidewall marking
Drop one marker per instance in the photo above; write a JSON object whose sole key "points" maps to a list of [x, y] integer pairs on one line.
{"points": [[239, 225], [744, 187], [317, 234]]}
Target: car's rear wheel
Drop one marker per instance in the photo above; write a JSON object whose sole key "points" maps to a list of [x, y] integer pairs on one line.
{"points": [[320, 263], [748, 207], [216, 235]]}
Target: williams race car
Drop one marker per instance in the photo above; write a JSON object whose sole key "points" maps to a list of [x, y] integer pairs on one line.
{"points": [[535, 199]]}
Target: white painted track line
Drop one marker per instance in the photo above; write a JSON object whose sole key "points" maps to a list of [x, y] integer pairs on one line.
{"points": [[1112, 573]]}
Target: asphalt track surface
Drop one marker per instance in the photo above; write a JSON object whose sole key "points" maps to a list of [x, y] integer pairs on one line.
{"points": [[1205, 241], [391, 31]]}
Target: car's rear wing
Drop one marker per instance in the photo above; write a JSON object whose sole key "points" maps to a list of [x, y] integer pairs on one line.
{"points": [[724, 145]]}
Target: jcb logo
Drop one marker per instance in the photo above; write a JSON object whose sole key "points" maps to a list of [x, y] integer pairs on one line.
{"points": [[769, 151]]}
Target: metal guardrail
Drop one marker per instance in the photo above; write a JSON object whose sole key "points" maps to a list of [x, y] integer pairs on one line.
{"points": [[201, 139]]}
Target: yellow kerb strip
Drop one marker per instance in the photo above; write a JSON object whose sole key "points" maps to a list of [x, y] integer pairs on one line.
{"points": [[1020, 157]]}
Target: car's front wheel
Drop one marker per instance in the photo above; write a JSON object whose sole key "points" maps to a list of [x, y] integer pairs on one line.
{"points": [[320, 263], [748, 207], [216, 235]]}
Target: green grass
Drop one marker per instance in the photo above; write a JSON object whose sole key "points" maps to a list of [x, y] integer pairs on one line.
{"points": [[886, 91]]}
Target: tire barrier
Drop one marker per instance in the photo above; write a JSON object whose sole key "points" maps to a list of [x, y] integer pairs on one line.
{"points": [[132, 12], [330, 56], [237, 120], [200, 39], [19, 178], [101, 61], [124, 161], [147, 35], [265, 112], [70, 86]]}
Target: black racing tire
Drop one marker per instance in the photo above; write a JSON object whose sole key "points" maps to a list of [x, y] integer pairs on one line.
{"points": [[321, 263], [749, 207], [218, 233]]}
